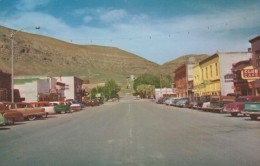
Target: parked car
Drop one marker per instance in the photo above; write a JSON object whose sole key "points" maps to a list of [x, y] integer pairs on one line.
{"points": [[238, 105], [174, 102], [91, 103], [183, 102], [169, 101], [73, 106], [217, 102], [61, 107], [28, 111], [203, 99], [2, 120], [252, 109], [161, 100], [44, 104], [10, 116]]}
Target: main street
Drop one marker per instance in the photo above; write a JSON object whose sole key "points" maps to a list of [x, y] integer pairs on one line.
{"points": [[133, 132]]}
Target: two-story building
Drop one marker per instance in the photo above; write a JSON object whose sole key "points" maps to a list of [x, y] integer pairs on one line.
{"points": [[255, 45], [73, 88], [213, 71], [183, 77]]}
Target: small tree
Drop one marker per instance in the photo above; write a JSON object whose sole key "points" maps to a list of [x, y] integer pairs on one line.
{"points": [[111, 89], [145, 90]]}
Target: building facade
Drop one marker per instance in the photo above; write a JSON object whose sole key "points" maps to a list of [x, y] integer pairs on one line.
{"points": [[183, 78], [39, 88], [255, 45], [5, 86], [73, 87], [213, 71]]}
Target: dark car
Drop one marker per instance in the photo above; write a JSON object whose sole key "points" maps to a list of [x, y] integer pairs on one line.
{"points": [[203, 99], [183, 102]]}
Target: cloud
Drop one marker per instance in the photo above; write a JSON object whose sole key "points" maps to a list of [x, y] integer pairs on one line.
{"points": [[156, 39], [113, 15], [87, 19], [30, 4]]}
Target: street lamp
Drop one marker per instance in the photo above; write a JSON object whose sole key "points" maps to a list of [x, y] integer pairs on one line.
{"points": [[12, 35]]}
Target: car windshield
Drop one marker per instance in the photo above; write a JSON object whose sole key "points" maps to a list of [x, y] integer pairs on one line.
{"points": [[241, 100]]}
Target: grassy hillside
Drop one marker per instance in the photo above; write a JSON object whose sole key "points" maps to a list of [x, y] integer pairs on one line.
{"points": [[40, 55]]}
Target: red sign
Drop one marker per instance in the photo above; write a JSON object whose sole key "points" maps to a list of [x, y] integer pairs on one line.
{"points": [[250, 73]]}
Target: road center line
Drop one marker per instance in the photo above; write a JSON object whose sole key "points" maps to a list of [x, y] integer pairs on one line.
{"points": [[130, 133]]}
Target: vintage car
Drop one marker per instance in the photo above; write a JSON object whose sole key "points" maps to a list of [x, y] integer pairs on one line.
{"points": [[61, 107], [10, 116], [252, 109], [183, 102], [74, 106], [44, 104], [2, 120], [175, 101], [28, 111], [217, 102], [203, 99], [238, 105], [91, 103]]}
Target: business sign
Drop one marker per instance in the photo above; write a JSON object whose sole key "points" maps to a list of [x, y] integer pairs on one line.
{"points": [[230, 77], [249, 73]]}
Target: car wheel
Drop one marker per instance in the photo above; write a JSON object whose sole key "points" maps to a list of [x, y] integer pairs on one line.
{"points": [[31, 117], [233, 114], [9, 121], [253, 117]]}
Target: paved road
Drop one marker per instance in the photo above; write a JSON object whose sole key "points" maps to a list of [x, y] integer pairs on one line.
{"points": [[133, 133]]}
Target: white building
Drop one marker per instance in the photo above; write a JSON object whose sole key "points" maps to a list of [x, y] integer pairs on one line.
{"points": [[159, 93], [73, 87], [38, 88]]}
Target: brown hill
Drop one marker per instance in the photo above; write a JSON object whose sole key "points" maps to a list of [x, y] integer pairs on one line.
{"points": [[169, 67], [40, 55]]}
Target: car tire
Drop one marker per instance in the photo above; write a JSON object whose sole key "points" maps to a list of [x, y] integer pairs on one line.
{"points": [[31, 117], [234, 114], [9, 121], [253, 117]]}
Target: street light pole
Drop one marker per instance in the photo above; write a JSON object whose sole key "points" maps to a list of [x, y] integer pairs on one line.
{"points": [[12, 35]]}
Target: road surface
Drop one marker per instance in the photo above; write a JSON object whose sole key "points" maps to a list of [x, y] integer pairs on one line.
{"points": [[132, 133]]}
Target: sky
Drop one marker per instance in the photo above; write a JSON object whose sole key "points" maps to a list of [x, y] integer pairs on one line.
{"points": [[157, 30]]}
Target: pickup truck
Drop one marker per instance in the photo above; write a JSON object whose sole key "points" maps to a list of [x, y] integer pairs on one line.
{"points": [[217, 102], [238, 106], [10, 116], [27, 110], [252, 109]]}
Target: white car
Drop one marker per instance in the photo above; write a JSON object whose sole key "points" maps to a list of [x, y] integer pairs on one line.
{"points": [[44, 104]]}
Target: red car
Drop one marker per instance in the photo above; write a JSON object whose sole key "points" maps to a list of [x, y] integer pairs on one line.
{"points": [[238, 105]]}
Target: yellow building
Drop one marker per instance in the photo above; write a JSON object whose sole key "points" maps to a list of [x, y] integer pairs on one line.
{"points": [[210, 77], [209, 74]]}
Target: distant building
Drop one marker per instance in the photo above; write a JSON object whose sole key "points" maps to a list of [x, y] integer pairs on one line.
{"points": [[39, 88], [183, 77], [163, 92], [73, 87]]}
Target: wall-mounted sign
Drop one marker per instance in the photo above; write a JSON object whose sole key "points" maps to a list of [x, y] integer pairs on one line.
{"points": [[249, 73], [230, 77]]}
